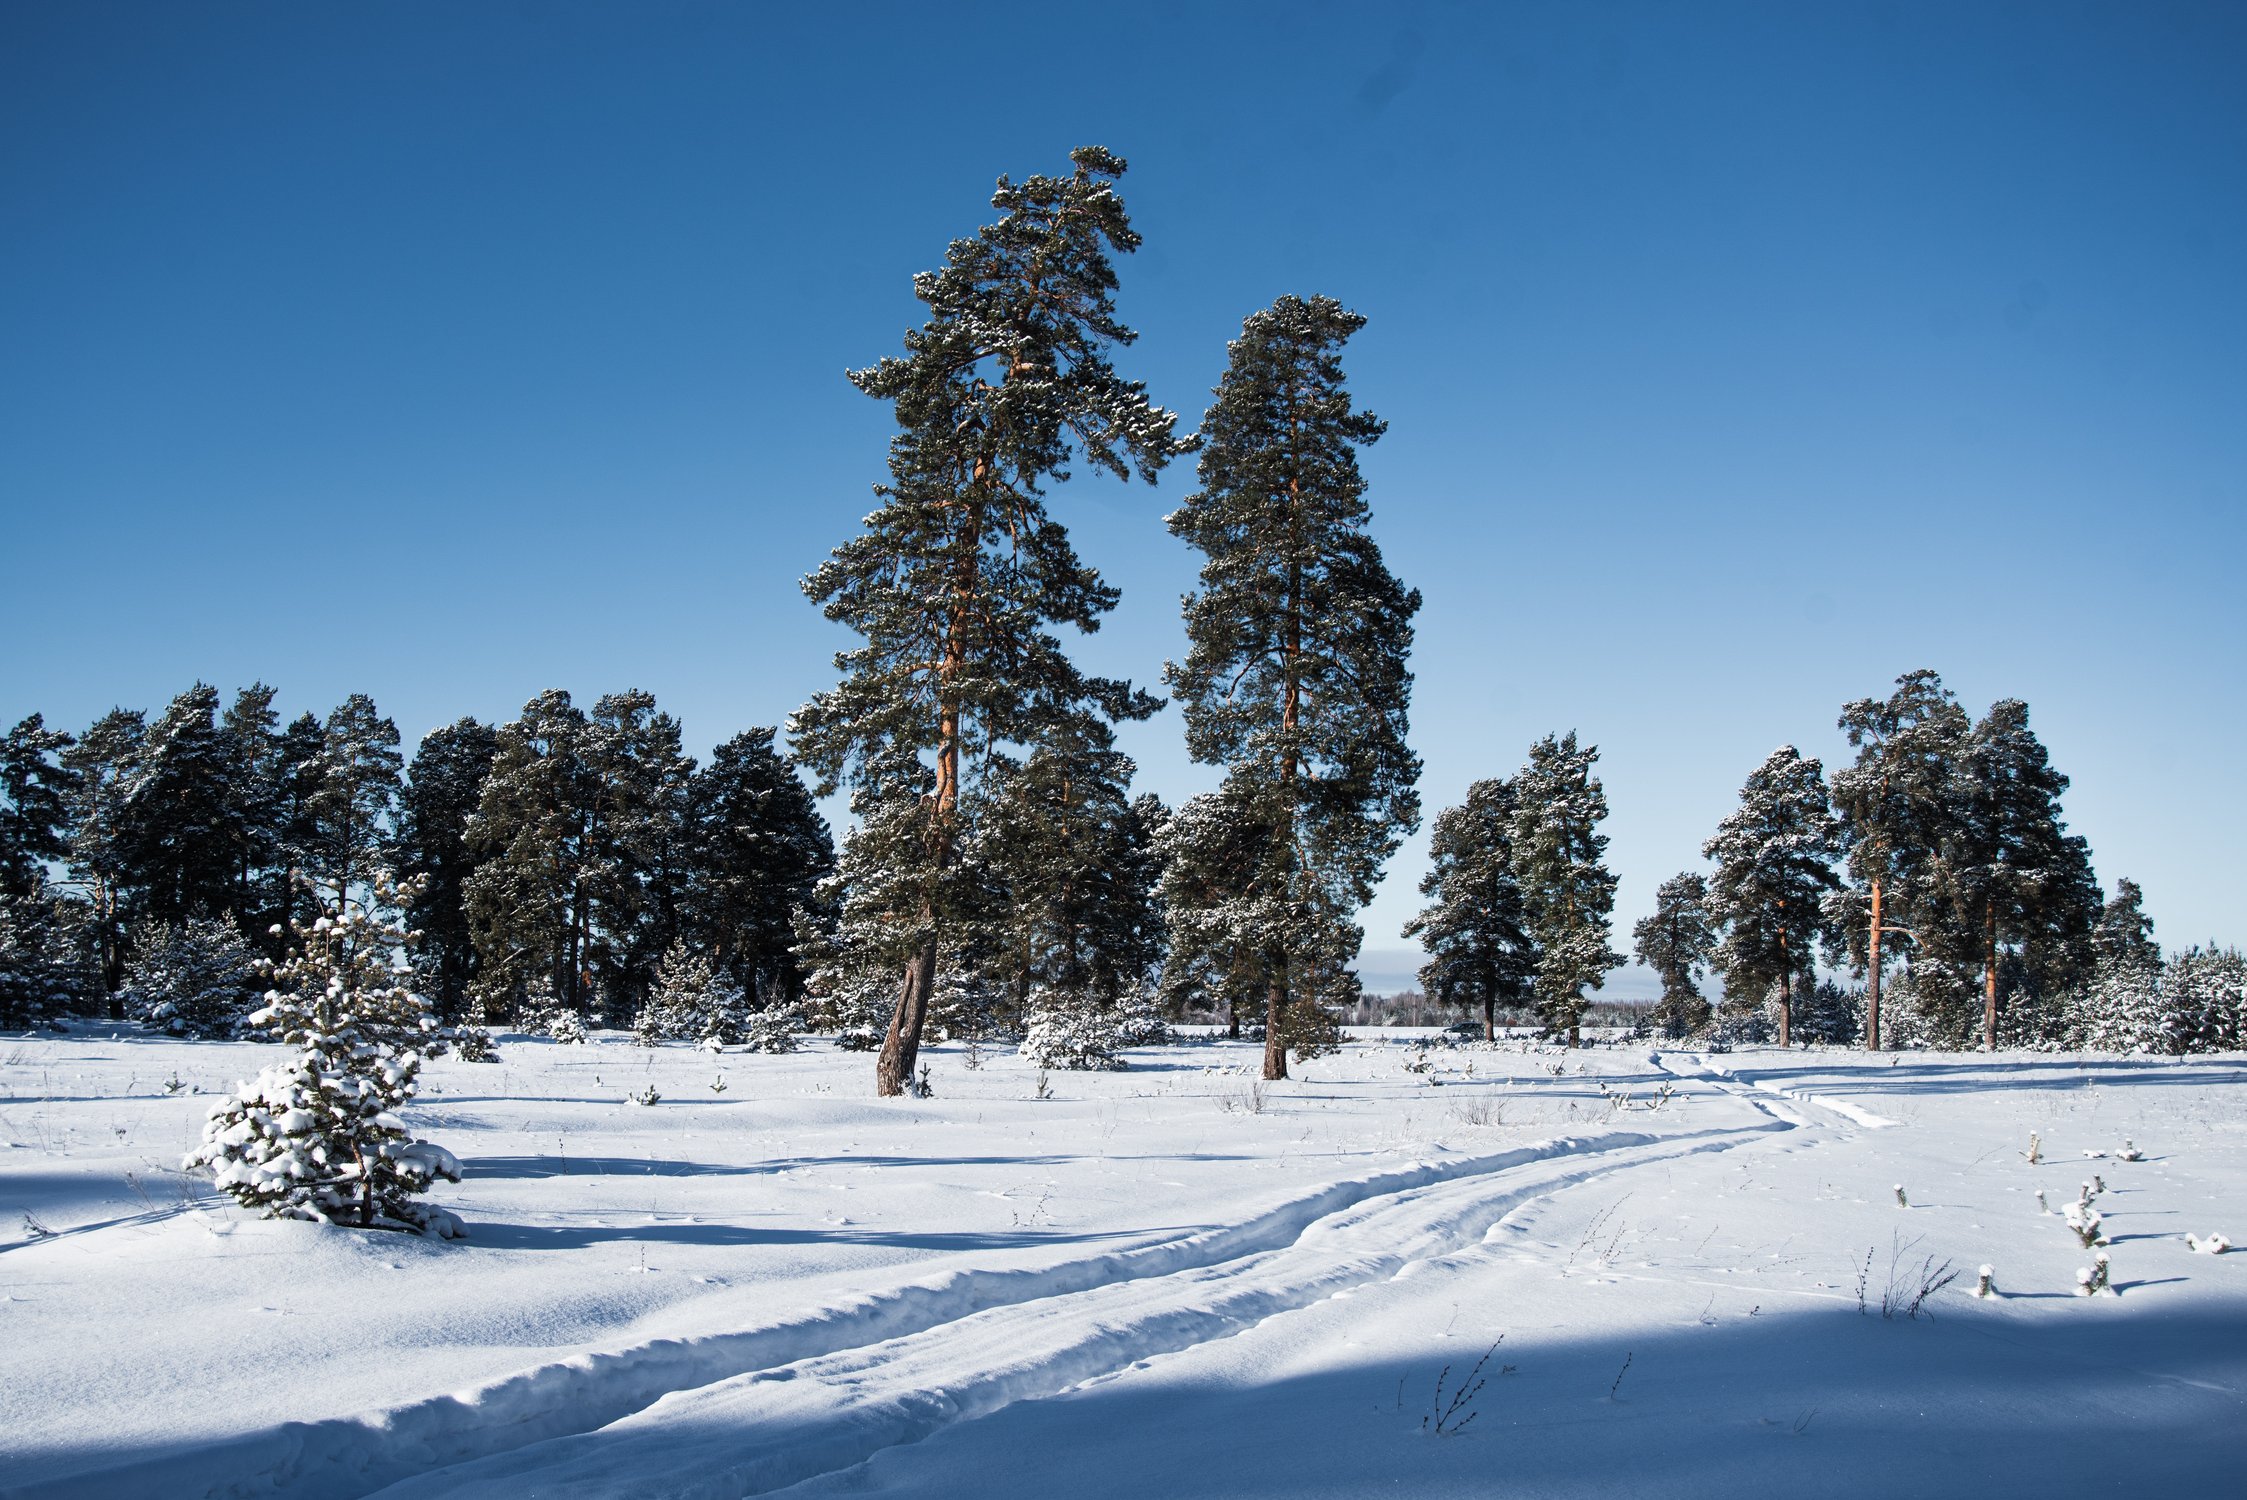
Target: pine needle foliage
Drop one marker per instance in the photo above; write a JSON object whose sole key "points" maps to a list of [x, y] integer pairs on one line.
{"points": [[1295, 680], [318, 1137], [960, 577]]}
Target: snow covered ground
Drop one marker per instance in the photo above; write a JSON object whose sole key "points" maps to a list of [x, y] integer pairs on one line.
{"points": [[1165, 1281]]}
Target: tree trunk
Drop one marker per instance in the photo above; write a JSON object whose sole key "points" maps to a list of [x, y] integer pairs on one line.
{"points": [[1872, 976], [1989, 985], [901, 1048], [1275, 1039], [1489, 1017], [1233, 1014], [1786, 995]]}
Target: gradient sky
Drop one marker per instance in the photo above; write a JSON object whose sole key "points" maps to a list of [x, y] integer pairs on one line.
{"points": [[1736, 359]]}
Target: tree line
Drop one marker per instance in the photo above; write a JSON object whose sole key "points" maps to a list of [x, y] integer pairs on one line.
{"points": [[1935, 872], [552, 861]]}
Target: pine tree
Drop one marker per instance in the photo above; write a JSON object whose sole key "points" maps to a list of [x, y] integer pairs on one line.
{"points": [[1895, 804], [355, 789], [1295, 679], [638, 837], [297, 781], [760, 848], [690, 1002], [1676, 942], [1072, 874], [2012, 880], [958, 577], [1212, 858], [1568, 892], [1475, 928], [174, 818], [194, 979], [250, 741], [1774, 861], [319, 1137], [430, 849], [103, 764], [568, 834], [35, 789], [2123, 935]]}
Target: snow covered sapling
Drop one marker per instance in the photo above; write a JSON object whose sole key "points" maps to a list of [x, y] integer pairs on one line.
{"points": [[1901, 1200], [2084, 1220], [195, 979], [1985, 1283], [2095, 1280], [773, 1029], [1072, 1033], [2129, 1151], [2035, 1152], [2042, 1207], [2215, 1244], [318, 1137]]}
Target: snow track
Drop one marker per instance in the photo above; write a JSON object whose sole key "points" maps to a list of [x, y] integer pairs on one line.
{"points": [[750, 1411]]}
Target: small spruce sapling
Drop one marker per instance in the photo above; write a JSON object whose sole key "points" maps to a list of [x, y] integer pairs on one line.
{"points": [[1985, 1283], [2095, 1280], [318, 1137]]}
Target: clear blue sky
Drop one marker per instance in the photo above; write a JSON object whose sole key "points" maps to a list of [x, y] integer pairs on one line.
{"points": [[1737, 358]]}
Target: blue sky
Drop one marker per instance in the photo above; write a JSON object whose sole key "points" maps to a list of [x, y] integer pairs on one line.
{"points": [[1737, 359]]}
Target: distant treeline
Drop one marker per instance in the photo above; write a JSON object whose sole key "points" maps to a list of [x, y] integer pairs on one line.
{"points": [[553, 860], [1936, 869]]}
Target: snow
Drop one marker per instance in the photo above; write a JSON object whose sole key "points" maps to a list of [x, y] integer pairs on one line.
{"points": [[1165, 1279]]}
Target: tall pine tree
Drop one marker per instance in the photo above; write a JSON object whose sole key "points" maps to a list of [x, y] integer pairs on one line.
{"points": [[1567, 890], [429, 849], [957, 579], [356, 788], [2016, 884], [1676, 942], [1475, 927], [1295, 681], [1895, 803], [760, 850], [35, 789], [102, 765], [1774, 861]]}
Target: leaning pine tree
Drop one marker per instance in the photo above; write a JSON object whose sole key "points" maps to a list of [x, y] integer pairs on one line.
{"points": [[958, 578], [1295, 681], [318, 1137]]}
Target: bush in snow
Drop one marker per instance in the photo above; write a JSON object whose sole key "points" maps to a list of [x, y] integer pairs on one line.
{"points": [[318, 1137], [689, 1002], [41, 978], [1139, 1020], [776, 1028], [541, 1014], [194, 979], [1070, 1032]]}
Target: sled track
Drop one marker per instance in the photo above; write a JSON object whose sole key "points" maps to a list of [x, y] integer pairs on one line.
{"points": [[748, 1412]]}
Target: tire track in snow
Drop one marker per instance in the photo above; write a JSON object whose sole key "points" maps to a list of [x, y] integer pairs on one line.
{"points": [[1734, 1082], [769, 1429], [352, 1457]]}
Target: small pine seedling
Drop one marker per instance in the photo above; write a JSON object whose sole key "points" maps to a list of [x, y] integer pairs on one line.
{"points": [[2129, 1151], [2094, 1280], [2042, 1207], [718, 1084], [2215, 1244], [647, 1095], [2035, 1152], [1985, 1285], [1901, 1200]]}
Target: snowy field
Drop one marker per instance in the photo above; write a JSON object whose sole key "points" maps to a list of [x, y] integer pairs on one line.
{"points": [[1166, 1281]]}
